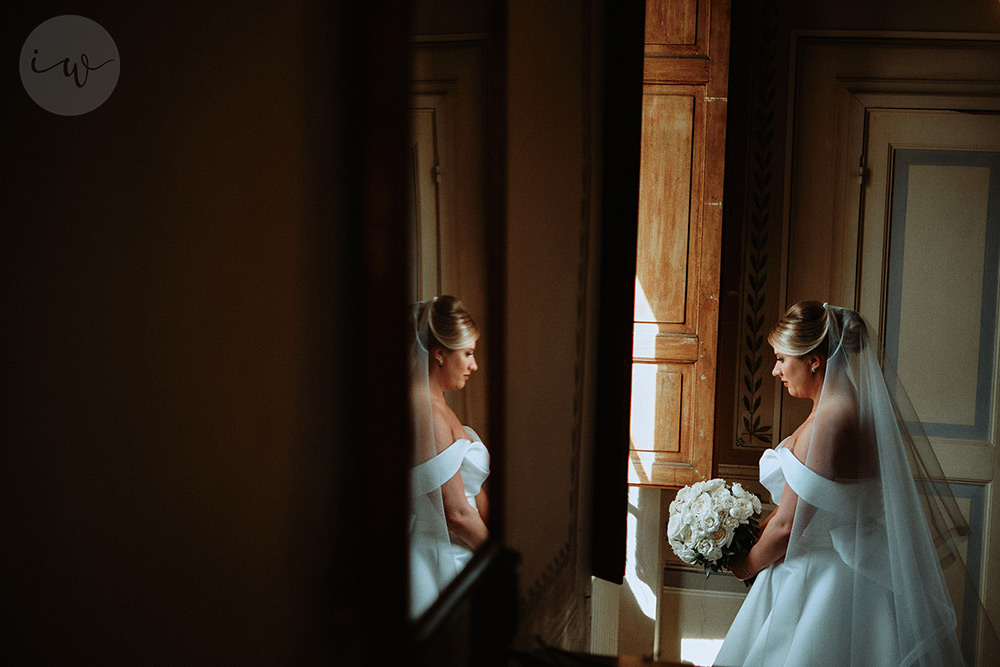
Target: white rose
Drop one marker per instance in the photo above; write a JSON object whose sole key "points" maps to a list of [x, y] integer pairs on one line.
{"points": [[724, 503], [709, 550], [674, 526], [683, 495], [721, 537], [730, 522], [709, 523], [702, 505], [713, 485], [689, 556], [742, 509], [743, 494], [720, 492]]}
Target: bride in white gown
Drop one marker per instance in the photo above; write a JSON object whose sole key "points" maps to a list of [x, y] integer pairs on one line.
{"points": [[847, 570], [449, 506]]}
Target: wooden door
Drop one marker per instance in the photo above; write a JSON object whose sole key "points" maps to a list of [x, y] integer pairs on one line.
{"points": [[679, 241]]}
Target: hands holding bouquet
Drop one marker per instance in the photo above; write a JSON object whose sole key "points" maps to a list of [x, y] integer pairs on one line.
{"points": [[711, 522]]}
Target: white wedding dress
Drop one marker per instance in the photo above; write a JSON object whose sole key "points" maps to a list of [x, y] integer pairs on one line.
{"points": [[873, 529], [435, 559], [830, 601]]}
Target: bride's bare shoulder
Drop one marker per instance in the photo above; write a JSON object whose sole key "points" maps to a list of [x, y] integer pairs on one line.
{"points": [[447, 427], [839, 413]]}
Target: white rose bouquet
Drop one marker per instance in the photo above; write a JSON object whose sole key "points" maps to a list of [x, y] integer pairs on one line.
{"points": [[712, 521]]}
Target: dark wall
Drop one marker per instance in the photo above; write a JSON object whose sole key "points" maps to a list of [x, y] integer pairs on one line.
{"points": [[454, 17], [185, 372]]}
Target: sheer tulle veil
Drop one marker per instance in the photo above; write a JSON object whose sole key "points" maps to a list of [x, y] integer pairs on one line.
{"points": [[891, 515], [431, 563]]}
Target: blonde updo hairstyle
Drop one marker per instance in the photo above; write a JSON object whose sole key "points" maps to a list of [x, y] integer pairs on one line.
{"points": [[451, 326], [801, 331]]}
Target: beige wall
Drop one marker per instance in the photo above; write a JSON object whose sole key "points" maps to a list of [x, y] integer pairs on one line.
{"points": [[546, 224]]}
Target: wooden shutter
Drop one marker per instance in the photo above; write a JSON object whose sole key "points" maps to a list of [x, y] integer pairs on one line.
{"points": [[679, 241]]}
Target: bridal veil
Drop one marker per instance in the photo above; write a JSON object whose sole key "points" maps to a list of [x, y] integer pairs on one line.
{"points": [[880, 499]]}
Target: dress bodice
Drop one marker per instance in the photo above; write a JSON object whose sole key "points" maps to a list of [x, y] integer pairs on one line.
{"points": [[780, 466], [468, 455]]}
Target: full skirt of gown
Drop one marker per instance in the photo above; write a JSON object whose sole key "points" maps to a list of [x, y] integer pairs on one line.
{"points": [[827, 603]]}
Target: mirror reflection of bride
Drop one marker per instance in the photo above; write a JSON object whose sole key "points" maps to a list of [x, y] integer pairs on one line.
{"points": [[450, 464]]}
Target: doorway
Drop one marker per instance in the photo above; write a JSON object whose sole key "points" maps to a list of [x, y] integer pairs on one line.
{"points": [[894, 209]]}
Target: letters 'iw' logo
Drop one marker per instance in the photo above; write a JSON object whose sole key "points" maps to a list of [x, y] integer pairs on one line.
{"points": [[69, 65]]}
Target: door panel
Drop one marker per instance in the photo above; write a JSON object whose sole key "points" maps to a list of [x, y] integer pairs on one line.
{"points": [[943, 265], [425, 223], [668, 133], [928, 282]]}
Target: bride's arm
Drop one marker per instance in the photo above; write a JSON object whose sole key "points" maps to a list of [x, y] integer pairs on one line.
{"points": [[483, 505], [773, 542], [463, 519]]}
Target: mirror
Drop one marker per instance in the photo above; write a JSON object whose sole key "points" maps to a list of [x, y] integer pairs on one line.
{"points": [[456, 230], [448, 196]]}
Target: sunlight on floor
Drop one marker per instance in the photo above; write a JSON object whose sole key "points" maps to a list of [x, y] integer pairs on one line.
{"points": [[644, 595], [700, 651]]}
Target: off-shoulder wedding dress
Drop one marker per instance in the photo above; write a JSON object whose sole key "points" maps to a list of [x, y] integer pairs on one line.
{"points": [[436, 557]]}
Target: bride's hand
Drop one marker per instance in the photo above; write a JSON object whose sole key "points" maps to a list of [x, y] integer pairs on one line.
{"points": [[738, 566]]}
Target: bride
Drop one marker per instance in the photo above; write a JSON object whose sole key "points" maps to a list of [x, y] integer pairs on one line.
{"points": [[449, 506], [847, 570]]}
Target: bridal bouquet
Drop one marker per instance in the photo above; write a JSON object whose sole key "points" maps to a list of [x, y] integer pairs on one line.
{"points": [[712, 521]]}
